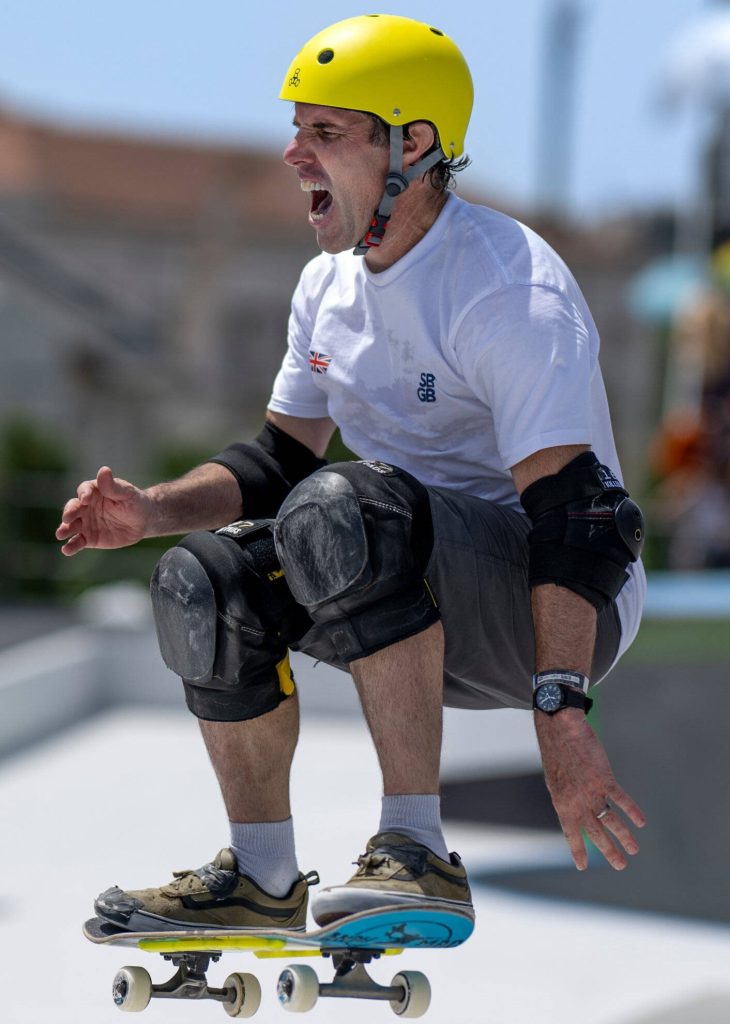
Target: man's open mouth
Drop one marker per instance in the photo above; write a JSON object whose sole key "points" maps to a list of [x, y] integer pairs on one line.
{"points": [[320, 200]]}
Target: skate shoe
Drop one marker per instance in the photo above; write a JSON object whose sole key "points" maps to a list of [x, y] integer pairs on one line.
{"points": [[214, 896], [395, 871]]}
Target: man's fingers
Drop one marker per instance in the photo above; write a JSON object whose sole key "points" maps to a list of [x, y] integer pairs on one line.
{"points": [[85, 491], [65, 530], [71, 511], [109, 486], [630, 808], [74, 545], [105, 484], [602, 841], [574, 839], [602, 831], [615, 824]]}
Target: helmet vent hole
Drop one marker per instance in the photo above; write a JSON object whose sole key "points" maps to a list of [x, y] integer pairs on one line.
{"points": [[437, 32], [325, 56]]}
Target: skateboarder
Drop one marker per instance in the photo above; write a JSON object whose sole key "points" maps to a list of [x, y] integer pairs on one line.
{"points": [[484, 552]]}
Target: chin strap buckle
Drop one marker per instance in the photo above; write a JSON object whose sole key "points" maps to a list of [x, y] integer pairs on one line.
{"points": [[375, 234]]}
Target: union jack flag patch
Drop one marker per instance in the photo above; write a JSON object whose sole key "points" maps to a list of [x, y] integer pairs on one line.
{"points": [[319, 362]]}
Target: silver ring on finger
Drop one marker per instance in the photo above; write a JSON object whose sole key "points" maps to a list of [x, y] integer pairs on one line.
{"points": [[602, 813]]}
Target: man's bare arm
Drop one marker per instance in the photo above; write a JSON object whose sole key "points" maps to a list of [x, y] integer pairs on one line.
{"points": [[577, 771], [109, 512]]}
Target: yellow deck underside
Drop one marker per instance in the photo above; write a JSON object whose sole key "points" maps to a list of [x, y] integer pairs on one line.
{"points": [[258, 945]]}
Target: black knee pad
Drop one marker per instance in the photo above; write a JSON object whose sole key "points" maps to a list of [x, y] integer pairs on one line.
{"points": [[225, 616], [354, 540]]}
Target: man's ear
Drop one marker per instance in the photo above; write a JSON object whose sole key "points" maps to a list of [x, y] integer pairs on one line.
{"points": [[420, 138]]}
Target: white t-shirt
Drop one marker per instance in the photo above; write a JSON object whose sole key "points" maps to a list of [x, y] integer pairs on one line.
{"points": [[473, 351]]}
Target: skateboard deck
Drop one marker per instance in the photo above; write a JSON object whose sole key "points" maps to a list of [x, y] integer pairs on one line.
{"points": [[350, 943]]}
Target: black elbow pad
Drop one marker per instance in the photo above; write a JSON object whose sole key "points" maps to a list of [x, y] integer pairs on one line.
{"points": [[267, 468], [585, 530]]}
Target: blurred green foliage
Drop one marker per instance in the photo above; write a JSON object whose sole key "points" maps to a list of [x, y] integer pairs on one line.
{"points": [[337, 450], [681, 641], [36, 479], [33, 469]]}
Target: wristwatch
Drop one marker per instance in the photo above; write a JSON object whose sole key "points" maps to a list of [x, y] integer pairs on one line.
{"points": [[553, 697]]}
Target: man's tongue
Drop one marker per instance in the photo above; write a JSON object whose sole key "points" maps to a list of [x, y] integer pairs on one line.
{"points": [[321, 201]]}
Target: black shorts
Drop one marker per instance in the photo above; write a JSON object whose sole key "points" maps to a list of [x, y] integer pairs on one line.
{"points": [[478, 575]]}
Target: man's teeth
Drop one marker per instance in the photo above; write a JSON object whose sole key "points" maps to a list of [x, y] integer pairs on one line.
{"points": [[312, 186]]}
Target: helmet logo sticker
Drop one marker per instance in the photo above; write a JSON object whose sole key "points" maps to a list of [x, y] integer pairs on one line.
{"points": [[295, 80]]}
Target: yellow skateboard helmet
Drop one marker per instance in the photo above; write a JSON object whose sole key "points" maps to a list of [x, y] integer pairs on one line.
{"points": [[400, 69]]}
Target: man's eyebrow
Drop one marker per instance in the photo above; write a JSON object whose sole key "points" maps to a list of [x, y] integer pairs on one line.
{"points": [[316, 124]]}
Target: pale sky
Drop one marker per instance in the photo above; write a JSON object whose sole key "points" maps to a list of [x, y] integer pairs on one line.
{"points": [[214, 69]]}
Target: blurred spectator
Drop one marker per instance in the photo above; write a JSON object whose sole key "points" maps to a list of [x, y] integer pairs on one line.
{"points": [[692, 450]]}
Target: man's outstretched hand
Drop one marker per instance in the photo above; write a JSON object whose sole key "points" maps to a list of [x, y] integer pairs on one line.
{"points": [[581, 785], [106, 513]]}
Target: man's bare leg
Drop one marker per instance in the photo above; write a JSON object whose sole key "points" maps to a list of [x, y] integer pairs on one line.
{"points": [[252, 761], [401, 691]]}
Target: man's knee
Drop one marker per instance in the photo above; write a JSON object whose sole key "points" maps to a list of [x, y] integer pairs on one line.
{"points": [[354, 540], [224, 617]]}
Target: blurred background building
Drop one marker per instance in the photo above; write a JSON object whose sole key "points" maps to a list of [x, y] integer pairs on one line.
{"points": [[143, 297]]}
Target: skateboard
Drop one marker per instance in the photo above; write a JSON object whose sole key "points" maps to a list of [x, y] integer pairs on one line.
{"points": [[350, 943]]}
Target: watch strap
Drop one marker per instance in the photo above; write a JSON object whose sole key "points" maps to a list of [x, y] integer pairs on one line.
{"points": [[561, 675]]}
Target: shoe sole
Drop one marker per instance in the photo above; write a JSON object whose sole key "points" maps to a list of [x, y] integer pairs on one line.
{"points": [[344, 901], [139, 921]]}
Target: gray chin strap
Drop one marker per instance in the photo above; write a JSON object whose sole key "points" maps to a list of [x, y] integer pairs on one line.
{"points": [[396, 182]]}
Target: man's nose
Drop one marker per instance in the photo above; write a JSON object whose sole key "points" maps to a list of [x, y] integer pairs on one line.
{"points": [[294, 152]]}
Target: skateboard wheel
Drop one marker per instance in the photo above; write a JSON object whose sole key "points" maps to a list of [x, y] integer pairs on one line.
{"points": [[132, 989], [246, 995], [416, 994], [298, 988]]}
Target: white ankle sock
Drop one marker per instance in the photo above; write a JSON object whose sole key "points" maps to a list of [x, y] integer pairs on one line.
{"points": [[417, 816], [265, 852]]}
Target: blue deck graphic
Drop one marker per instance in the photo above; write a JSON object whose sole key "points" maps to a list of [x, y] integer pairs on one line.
{"points": [[419, 929]]}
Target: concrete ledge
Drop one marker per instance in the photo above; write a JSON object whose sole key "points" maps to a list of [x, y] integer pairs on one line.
{"points": [[47, 685]]}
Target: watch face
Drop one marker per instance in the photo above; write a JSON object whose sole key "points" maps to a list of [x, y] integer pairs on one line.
{"points": [[549, 697]]}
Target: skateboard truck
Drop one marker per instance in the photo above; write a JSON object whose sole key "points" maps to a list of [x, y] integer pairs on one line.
{"points": [[299, 988], [133, 988]]}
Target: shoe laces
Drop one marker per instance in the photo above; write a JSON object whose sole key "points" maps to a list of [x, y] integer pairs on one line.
{"points": [[411, 858], [373, 863], [218, 881], [183, 881]]}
